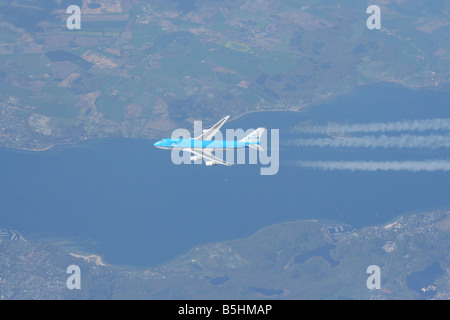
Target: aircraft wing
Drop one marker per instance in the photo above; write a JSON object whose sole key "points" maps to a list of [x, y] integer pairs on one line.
{"points": [[209, 133], [207, 155]]}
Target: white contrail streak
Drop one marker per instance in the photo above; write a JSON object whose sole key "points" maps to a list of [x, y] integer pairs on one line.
{"points": [[402, 141], [405, 125], [414, 166]]}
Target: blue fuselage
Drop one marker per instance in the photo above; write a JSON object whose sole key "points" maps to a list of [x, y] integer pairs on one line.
{"points": [[201, 144]]}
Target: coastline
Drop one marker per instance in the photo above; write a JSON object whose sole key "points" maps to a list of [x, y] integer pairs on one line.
{"points": [[98, 260], [90, 258], [39, 150], [325, 98], [299, 109]]}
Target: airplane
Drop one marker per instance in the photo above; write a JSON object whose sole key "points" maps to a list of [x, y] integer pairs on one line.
{"points": [[203, 146]]}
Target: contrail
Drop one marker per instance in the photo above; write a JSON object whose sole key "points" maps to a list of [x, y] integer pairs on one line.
{"points": [[414, 166], [402, 141], [405, 125]]}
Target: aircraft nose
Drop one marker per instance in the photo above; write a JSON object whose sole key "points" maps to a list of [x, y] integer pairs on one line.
{"points": [[157, 143]]}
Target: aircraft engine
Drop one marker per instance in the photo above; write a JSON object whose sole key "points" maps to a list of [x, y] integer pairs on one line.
{"points": [[195, 158], [210, 163]]}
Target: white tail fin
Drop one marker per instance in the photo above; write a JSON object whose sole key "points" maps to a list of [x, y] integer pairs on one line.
{"points": [[254, 138]]}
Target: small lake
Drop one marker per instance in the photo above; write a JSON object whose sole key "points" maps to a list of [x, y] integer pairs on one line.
{"points": [[422, 279]]}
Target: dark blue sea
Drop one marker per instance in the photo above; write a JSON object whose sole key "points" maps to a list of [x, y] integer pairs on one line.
{"points": [[125, 200]]}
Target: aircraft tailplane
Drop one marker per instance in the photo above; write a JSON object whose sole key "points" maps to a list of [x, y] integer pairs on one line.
{"points": [[254, 136]]}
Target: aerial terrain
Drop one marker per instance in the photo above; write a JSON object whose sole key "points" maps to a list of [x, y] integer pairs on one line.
{"points": [[297, 260], [139, 69], [142, 68]]}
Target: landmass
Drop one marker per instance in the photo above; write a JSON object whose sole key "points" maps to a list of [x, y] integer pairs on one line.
{"points": [[140, 69], [296, 260]]}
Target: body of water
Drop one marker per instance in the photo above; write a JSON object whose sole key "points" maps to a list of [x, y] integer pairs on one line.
{"points": [[140, 209]]}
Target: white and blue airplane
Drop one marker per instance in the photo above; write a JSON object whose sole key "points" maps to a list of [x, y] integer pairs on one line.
{"points": [[203, 146]]}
